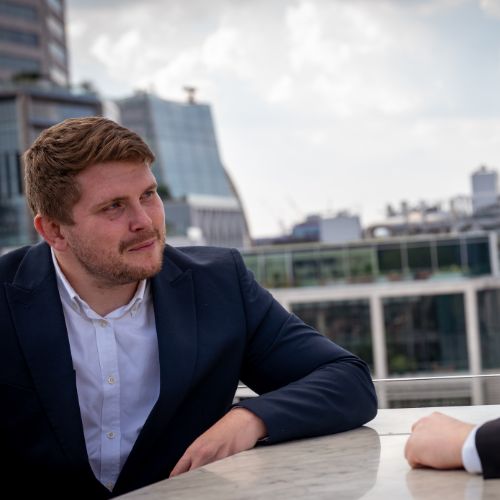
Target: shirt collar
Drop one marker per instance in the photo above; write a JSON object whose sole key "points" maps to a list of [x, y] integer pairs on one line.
{"points": [[79, 305]]}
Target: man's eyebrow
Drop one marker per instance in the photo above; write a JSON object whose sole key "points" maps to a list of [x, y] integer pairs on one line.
{"points": [[102, 204]]}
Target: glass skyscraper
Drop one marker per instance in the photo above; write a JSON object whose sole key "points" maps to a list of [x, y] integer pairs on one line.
{"points": [[189, 167], [33, 40], [24, 112]]}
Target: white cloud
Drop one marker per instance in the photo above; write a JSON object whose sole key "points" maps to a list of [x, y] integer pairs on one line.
{"points": [[117, 54], [281, 91], [491, 7], [338, 102]]}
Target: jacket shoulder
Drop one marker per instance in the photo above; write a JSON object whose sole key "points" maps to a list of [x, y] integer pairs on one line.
{"points": [[201, 256], [9, 263]]}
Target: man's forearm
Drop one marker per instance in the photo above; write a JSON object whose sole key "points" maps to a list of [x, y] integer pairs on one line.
{"points": [[238, 430]]}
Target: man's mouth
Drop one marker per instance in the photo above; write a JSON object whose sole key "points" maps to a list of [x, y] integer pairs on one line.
{"points": [[143, 245]]}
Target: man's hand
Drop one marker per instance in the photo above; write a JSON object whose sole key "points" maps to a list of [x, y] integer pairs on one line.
{"points": [[236, 431], [436, 441]]}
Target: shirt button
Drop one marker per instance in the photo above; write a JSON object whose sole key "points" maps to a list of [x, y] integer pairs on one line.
{"points": [[110, 435], [103, 323], [111, 380]]}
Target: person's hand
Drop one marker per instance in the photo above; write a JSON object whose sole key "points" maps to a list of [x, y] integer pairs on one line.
{"points": [[236, 431], [436, 441]]}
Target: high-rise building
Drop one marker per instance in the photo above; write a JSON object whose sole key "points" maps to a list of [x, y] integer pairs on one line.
{"points": [[484, 188], [34, 95], [188, 166], [24, 112], [33, 41]]}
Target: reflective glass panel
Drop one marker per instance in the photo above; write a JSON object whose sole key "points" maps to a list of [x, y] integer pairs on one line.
{"points": [[425, 334]]}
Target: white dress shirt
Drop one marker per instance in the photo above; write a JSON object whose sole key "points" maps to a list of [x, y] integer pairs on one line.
{"points": [[470, 456], [117, 373]]}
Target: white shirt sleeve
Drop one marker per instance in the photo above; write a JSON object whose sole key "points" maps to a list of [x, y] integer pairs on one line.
{"points": [[470, 456]]}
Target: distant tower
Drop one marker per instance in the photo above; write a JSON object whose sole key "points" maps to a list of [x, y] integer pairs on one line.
{"points": [[188, 163], [191, 94], [484, 188], [33, 41]]}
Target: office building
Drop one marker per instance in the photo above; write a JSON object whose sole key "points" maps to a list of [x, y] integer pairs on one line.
{"points": [[198, 190], [423, 306], [484, 188], [33, 41], [24, 112]]}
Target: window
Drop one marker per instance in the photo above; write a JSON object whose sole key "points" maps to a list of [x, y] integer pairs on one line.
{"points": [[305, 268], [275, 271], [26, 12], [448, 256], [420, 260], [56, 6], [332, 266], [346, 322], [19, 37], [361, 262], [21, 64], [57, 52], [55, 27], [425, 333], [488, 303], [478, 257], [390, 261]]}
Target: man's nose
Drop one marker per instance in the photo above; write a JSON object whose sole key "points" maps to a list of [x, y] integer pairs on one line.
{"points": [[139, 218]]}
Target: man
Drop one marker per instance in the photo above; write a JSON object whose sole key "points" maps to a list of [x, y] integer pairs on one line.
{"points": [[443, 442], [120, 356]]}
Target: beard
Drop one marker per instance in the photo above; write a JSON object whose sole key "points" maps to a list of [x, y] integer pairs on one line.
{"points": [[109, 267]]}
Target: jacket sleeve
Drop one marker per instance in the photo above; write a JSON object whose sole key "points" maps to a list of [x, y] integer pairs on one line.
{"points": [[488, 448], [307, 385]]}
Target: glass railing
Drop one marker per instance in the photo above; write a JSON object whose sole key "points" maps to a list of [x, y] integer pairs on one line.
{"points": [[427, 391]]}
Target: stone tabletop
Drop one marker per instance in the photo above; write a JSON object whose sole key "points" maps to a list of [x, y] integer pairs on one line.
{"points": [[363, 463]]}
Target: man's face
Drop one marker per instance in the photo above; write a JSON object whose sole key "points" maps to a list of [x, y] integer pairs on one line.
{"points": [[118, 233]]}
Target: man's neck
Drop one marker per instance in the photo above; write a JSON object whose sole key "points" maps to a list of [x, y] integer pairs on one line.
{"points": [[101, 297]]}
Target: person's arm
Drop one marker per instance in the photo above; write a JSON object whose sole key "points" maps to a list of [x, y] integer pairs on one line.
{"points": [[488, 447], [470, 456], [236, 431], [443, 442], [437, 441], [308, 385]]}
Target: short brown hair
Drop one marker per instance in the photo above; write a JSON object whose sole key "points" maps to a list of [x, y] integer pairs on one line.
{"points": [[66, 149]]}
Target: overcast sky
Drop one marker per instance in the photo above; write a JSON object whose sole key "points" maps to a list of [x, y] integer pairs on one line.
{"points": [[320, 105]]}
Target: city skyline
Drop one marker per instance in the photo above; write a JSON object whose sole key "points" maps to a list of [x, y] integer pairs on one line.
{"points": [[319, 106]]}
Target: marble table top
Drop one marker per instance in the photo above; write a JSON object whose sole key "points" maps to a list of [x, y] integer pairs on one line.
{"points": [[365, 463]]}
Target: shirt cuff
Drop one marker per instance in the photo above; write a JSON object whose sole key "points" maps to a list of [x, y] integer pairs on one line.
{"points": [[470, 456]]}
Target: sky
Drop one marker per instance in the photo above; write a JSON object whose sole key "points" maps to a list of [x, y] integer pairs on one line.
{"points": [[320, 106]]}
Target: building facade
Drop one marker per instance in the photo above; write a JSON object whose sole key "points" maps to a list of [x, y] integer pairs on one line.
{"points": [[423, 306], [189, 167], [24, 112], [33, 41]]}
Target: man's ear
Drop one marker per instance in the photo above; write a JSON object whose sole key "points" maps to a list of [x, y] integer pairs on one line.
{"points": [[50, 231]]}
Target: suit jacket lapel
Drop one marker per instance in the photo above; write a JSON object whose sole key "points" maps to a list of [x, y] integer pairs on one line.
{"points": [[176, 327], [37, 313]]}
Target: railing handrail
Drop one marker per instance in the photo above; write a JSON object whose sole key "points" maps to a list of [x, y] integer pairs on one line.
{"points": [[438, 377], [411, 379]]}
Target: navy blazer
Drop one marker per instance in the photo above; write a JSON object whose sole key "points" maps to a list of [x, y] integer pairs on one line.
{"points": [[488, 448], [215, 326]]}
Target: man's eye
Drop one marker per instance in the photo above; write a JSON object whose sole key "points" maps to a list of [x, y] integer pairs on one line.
{"points": [[113, 206]]}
